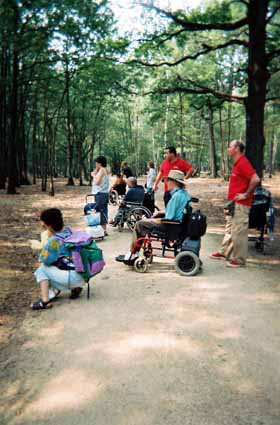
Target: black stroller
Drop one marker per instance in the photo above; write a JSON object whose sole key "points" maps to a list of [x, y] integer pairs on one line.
{"points": [[261, 216]]}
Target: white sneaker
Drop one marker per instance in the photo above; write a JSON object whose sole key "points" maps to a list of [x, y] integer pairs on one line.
{"points": [[130, 256]]}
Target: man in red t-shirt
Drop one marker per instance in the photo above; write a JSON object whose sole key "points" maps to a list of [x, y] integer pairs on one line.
{"points": [[171, 162], [242, 183]]}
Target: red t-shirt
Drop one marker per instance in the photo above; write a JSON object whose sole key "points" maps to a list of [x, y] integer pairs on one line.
{"points": [[178, 164], [241, 174]]}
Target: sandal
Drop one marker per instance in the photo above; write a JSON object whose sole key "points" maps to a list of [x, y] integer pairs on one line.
{"points": [[75, 293], [41, 305]]}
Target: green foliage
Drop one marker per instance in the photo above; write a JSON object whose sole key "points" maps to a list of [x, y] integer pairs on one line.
{"points": [[82, 91]]}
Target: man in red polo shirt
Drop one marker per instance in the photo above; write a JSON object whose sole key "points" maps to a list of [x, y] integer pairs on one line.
{"points": [[242, 183], [171, 162]]}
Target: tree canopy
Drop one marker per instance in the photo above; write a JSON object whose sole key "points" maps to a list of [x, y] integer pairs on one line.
{"points": [[72, 87]]}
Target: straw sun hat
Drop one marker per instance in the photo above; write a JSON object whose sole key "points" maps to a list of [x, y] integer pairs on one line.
{"points": [[176, 175]]}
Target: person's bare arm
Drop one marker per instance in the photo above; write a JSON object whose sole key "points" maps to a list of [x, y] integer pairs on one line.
{"points": [[255, 180], [158, 179], [158, 214], [98, 177], [189, 173]]}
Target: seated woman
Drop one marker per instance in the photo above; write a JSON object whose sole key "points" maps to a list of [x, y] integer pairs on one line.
{"points": [[119, 185], [50, 274]]}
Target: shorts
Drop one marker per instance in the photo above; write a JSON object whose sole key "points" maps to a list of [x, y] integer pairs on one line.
{"points": [[64, 280]]}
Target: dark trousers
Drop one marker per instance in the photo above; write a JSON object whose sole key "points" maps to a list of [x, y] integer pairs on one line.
{"points": [[102, 200], [166, 197]]}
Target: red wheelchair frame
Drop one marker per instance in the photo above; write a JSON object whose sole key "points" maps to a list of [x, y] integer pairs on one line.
{"points": [[187, 261]]}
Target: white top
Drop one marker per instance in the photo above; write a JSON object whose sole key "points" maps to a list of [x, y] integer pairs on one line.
{"points": [[151, 177], [103, 186]]}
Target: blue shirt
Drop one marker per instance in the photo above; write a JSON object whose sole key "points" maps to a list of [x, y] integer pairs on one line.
{"points": [[175, 207], [55, 248], [135, 194]]}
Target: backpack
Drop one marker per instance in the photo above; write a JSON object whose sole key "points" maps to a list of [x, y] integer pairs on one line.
{"points": [[196, 225], [87, 257]]}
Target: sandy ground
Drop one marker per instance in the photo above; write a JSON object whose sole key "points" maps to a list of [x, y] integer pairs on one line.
{"points": [[148, 349]]}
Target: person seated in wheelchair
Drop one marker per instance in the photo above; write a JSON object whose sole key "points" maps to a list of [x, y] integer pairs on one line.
{"points": [[174, 211], [119, 185], [134, 196]]}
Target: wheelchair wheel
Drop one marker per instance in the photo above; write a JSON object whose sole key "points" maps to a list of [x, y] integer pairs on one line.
{"points": [[137, 214], [187, 263], [120, 227], [148, 255], [141, 265], [113, 197]]}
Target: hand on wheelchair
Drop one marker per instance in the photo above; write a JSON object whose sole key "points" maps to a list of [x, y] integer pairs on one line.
{"points": [[158, 214]]}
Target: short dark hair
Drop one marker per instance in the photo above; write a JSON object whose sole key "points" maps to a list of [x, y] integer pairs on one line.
{"points": [[101, 160], [151, 164], [52, 217], [171, 149], [239, 144]]}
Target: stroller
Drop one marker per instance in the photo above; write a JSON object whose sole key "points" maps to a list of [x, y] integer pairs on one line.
{"points": [[92, 219], [261, 216]]}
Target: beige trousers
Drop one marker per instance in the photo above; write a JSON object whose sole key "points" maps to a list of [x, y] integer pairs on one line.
{"points": [[235, 242]]}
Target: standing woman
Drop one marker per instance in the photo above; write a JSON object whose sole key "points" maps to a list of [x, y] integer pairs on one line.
{"points": [[100, 188], [126, 170], [151, 176]]}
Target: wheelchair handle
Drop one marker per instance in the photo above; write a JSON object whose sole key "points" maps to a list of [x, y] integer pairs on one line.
{"points": [[195, 200]]}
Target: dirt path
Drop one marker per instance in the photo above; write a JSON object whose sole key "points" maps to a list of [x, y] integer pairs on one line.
{"points": [[151, 349]]}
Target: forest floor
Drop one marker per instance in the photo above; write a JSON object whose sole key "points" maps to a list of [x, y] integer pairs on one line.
{"points": [[152, 349]]}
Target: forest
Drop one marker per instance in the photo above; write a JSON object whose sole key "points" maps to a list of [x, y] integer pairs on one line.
{"points": [[73, 86]]}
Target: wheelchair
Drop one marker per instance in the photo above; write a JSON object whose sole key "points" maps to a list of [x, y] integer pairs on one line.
{"points": [[115, 198], [130, 213], [182, 239]]}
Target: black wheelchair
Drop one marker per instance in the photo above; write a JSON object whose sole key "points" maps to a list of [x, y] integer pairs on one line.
{"points": [[131, 212], [117, 194], [182, 239]]}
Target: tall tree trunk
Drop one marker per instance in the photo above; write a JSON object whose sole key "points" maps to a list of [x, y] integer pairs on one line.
{"points": [[44, 154], [3, 114], [181, 125], [271, 149], [69, 131], [79, 145], [51, 148], [13, 109], [166, 121], [34, 139], [257, 82], [212, 148], [223, 165]]}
